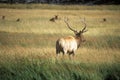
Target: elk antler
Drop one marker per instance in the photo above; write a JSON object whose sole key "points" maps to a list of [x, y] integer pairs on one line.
{"points": [[83, 30], [70, 27]]}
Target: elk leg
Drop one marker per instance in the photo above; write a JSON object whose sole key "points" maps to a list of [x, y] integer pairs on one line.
{"points": [[71, 54], [57, 54], [64, 52]]}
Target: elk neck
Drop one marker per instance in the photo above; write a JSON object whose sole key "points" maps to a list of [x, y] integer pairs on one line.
{"points": [[78, 40]]}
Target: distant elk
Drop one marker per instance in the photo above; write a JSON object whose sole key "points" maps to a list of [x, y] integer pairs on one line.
{"points": [[18, 20], [54, 18], [3, 17], [71, 43], [104, 19]]}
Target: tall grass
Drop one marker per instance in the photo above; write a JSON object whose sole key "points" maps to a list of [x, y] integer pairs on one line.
{"points": [[45, 69], [27, 47]]}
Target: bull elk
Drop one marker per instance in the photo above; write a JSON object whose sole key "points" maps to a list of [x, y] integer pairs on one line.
{"points": [[71, 43]]}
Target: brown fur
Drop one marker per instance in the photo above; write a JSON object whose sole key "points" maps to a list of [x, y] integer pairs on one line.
{"points": [[70, 44]]}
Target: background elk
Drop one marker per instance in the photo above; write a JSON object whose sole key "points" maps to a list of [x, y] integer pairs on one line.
{"points": [[18, 20], [54, 18], [3, 17], [71, 43], [104, 19]]}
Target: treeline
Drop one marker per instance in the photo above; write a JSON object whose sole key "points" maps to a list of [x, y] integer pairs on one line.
{"points": [[87, 2]]}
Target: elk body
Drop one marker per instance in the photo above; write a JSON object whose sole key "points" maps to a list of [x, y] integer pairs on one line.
{"points": [[104, 19], [3, 17], [54, 18], [71, 43], [18, 20]]}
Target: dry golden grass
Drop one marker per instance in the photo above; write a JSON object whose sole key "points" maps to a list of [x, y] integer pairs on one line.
{"points": [[34, 36]]}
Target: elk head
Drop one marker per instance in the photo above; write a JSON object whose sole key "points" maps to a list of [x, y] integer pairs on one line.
{"points": [[78, 34]]}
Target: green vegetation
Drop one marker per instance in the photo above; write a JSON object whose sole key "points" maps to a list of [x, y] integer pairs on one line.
{"points": [[27, 47], [47, 70]]}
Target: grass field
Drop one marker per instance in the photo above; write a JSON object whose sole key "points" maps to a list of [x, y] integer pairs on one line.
{"points": [[27, 47]]}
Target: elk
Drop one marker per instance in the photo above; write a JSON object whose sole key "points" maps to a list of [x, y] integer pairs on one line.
{"points": [[104, 19], [68, 45], [54, 18], [18, 20], [3, 17]]}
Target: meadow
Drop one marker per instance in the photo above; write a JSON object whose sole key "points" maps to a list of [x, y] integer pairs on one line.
{"points": [[27, 47]]}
